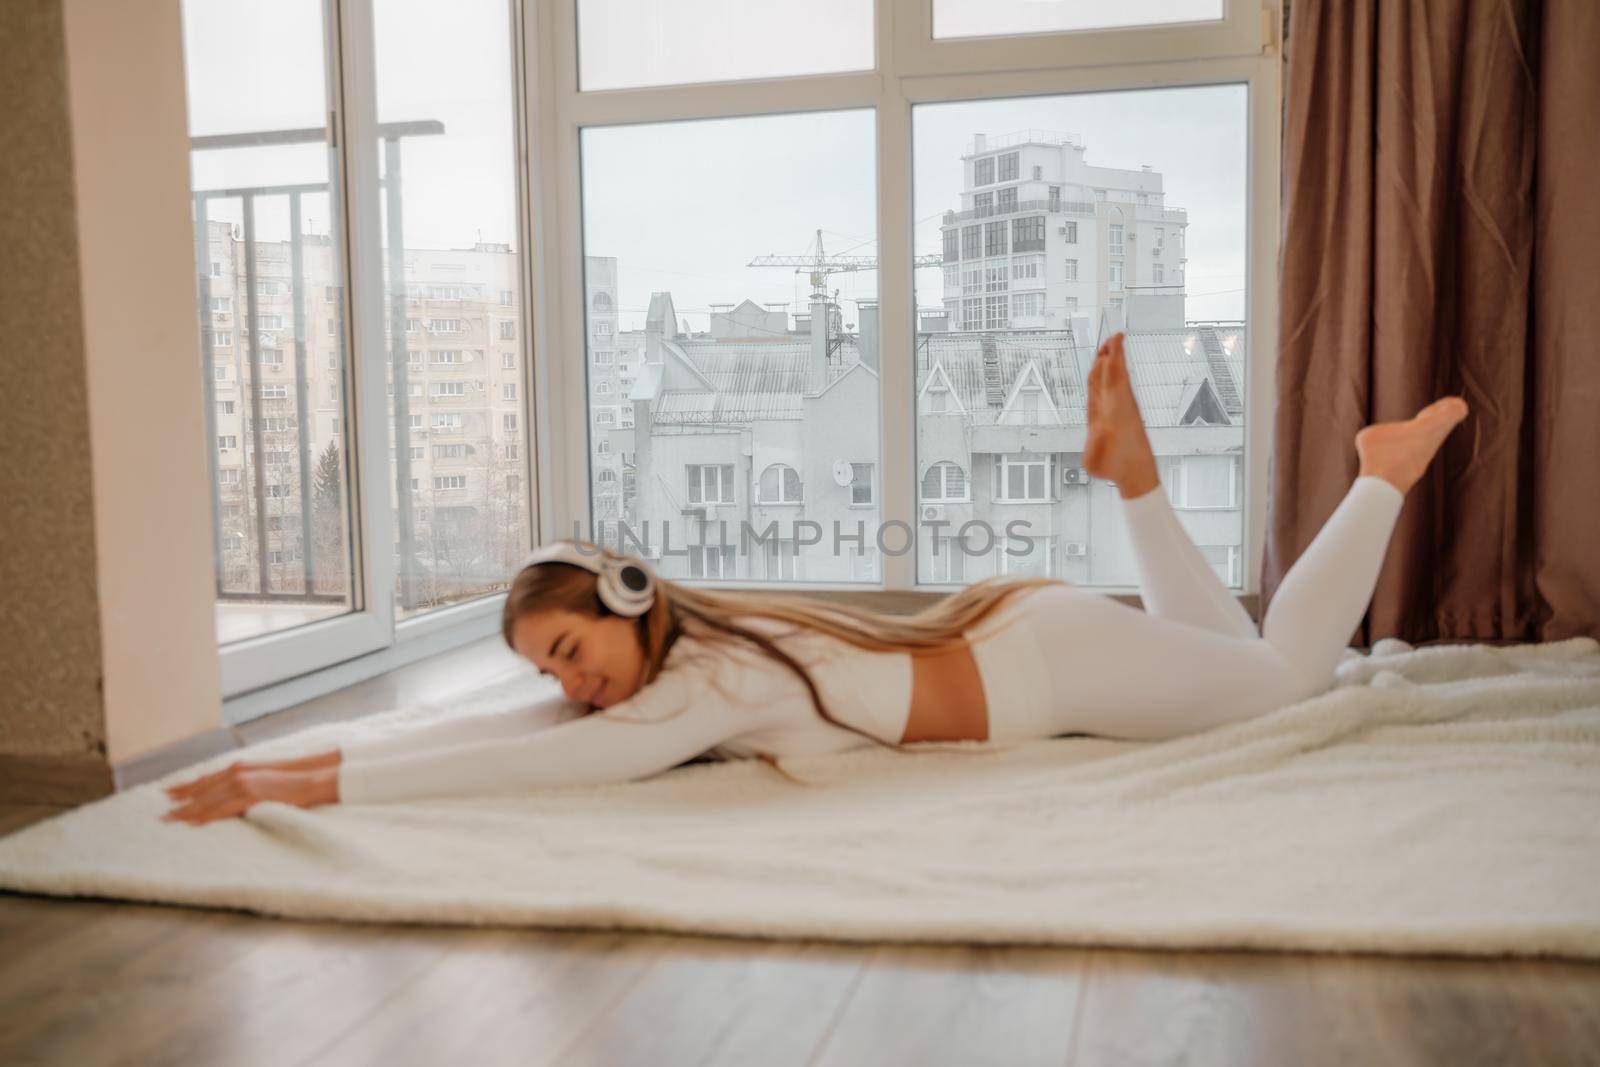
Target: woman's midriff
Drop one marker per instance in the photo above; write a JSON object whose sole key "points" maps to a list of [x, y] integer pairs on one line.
{"points": [[947, 702]]}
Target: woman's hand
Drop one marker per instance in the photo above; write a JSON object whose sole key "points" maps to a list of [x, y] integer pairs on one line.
{"points": [[237, 788]]}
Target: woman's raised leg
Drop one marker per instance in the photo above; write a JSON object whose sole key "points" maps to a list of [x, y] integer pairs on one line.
{"points": [[1119, 672], [1325, 593], [1175, 581]]}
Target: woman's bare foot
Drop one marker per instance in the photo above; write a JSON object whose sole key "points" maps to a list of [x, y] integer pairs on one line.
{"points": [[1117, 447], [1398, 452]]}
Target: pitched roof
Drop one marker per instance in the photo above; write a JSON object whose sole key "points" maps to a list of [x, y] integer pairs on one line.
{"points": [[961, 355], [745, 382], [1173, 374], [1166, 365]]}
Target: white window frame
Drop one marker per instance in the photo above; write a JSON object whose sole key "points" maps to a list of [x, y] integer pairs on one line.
{"points": [[701, 555], [1001, 491], [944, 466], [725, 490], [780, 559], [912, 68], [947, 561], [872, 485], [1011, 564], [1179, 493], [782, 497]]}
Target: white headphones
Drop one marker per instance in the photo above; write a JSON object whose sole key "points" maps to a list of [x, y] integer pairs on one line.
{"points": [[626, 585]]}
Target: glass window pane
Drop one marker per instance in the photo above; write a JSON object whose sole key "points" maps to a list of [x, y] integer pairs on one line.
{"points": [[1130, 214], [1027, 555], [451, 265], [629, 43], [993, 18], [955, 482], [748, 388], [1208, 481], [268, 272]]}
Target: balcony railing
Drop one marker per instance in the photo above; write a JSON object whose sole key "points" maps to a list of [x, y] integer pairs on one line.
{"points": [[1021, 137], [1070, 207], [254, 342]]}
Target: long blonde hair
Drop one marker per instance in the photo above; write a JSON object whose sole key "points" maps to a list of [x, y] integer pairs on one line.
{"points": [[711, 615]]}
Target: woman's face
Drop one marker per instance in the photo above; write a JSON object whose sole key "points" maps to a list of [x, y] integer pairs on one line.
{"points": [[598, 661]]}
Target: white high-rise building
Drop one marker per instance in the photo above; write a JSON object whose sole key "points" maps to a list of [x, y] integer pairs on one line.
{"points": [[1042, 236]]}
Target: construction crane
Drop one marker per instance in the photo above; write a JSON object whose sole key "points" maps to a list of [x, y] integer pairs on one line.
{"points": [[819, 265]]}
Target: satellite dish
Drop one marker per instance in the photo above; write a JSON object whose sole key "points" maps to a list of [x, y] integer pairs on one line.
{"points": [[843, 473]]}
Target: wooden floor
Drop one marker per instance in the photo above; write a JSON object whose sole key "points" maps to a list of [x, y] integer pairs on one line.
{"points": [[91, 982]]}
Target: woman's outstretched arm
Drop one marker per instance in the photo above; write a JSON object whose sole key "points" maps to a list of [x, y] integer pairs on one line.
{"points": [[656, 730], [500, 725], [596, 749]]}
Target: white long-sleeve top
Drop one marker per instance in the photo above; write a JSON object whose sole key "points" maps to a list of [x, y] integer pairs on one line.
{"points": [[731, 700]]}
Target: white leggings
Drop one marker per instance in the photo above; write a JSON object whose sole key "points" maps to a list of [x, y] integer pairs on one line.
{"points": [[1192, 659]]}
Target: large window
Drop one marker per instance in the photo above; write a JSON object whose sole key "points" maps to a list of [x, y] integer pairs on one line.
{"points": [[985, 18], [355, 196], [626, 43], [451, 250], [267, 268], [733, 225], [760, 384], [1131, 169]]}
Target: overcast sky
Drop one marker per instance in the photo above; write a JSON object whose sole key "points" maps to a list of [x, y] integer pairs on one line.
{"points": [[682, 206]]}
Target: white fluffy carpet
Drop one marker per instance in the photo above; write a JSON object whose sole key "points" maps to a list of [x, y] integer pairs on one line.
{"points": [[1444, 799]]}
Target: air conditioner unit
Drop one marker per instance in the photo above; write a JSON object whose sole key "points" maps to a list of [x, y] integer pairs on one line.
{"points": [[1074, 476], [932, 512], [1075, 548]]}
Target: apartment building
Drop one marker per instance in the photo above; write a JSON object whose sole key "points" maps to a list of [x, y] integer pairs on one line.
{"points": [[1042, 235], [274, 341]]}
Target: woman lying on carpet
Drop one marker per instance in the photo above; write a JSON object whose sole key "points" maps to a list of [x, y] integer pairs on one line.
{"points": [[671, 673]]}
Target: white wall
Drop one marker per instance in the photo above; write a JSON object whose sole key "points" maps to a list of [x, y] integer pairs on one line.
{"points": [[146, 419]]}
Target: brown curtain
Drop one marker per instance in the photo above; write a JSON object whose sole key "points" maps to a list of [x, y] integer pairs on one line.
{"points": [[1442, 235]]}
